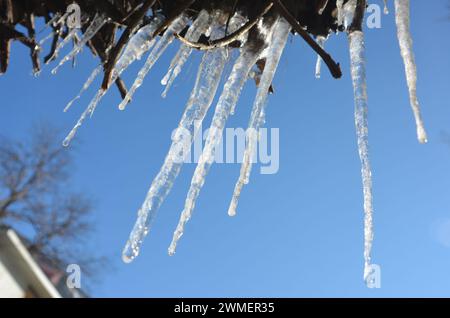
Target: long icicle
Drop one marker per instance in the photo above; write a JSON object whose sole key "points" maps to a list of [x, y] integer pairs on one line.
{"points": [[198, 27], [175, 27], [227, 100], [358, 72], [280, 35], [402, 18], [208, 80], [141, 42], [97, 23]]}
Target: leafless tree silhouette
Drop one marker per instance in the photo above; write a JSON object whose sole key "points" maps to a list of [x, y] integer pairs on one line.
{"points": [[35, 200]]}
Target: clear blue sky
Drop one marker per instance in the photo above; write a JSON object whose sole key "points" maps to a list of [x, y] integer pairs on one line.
{"points": [[298, 232]]}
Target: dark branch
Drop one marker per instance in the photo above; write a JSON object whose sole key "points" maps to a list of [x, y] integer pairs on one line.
{"points": [[358, 17], [229, 38], [117, 50], [332, 65], [173, 15]]}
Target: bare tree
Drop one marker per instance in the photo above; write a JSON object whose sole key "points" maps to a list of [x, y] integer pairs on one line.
{"points": [[35, 197]]}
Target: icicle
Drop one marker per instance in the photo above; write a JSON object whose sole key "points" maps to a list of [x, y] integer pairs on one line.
{"points": [[348, 12], [62, 19], [45, 39], [208, 80], [227, 100], [89, 111], [54, 21], [50, 22], [137, 45], [89, 81], [321, 41], [198, 27], [386, 10], [97, 23], [57, 19], [66, 40], [404, 38], [324, 6], [279, 38], [167, 38], [358, 72], [86, 85], [340, 12]]}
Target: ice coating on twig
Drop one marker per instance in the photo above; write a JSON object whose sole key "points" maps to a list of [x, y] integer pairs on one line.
{"points": [[175, 27]]}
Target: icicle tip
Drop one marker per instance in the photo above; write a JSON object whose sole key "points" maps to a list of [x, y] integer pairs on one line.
{"points": [[66, 143], [232, 209], [422, 135], [129, 253]]}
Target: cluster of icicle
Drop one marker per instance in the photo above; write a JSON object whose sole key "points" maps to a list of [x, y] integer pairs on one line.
{"points": [[205, 89], [207, 83]]}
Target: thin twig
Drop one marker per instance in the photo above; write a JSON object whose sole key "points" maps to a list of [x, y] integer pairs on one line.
{"points": [[99, 47], [5, 49], [229, 38], [179, 10], [11, 33], [115, 52], [34, 51], [332, 65]]}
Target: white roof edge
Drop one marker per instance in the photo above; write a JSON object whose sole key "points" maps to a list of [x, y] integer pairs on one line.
{"points": [[40, 275]]}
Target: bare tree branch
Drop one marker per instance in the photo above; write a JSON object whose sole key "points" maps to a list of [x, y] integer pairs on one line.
{"points": [[33, 192]]}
